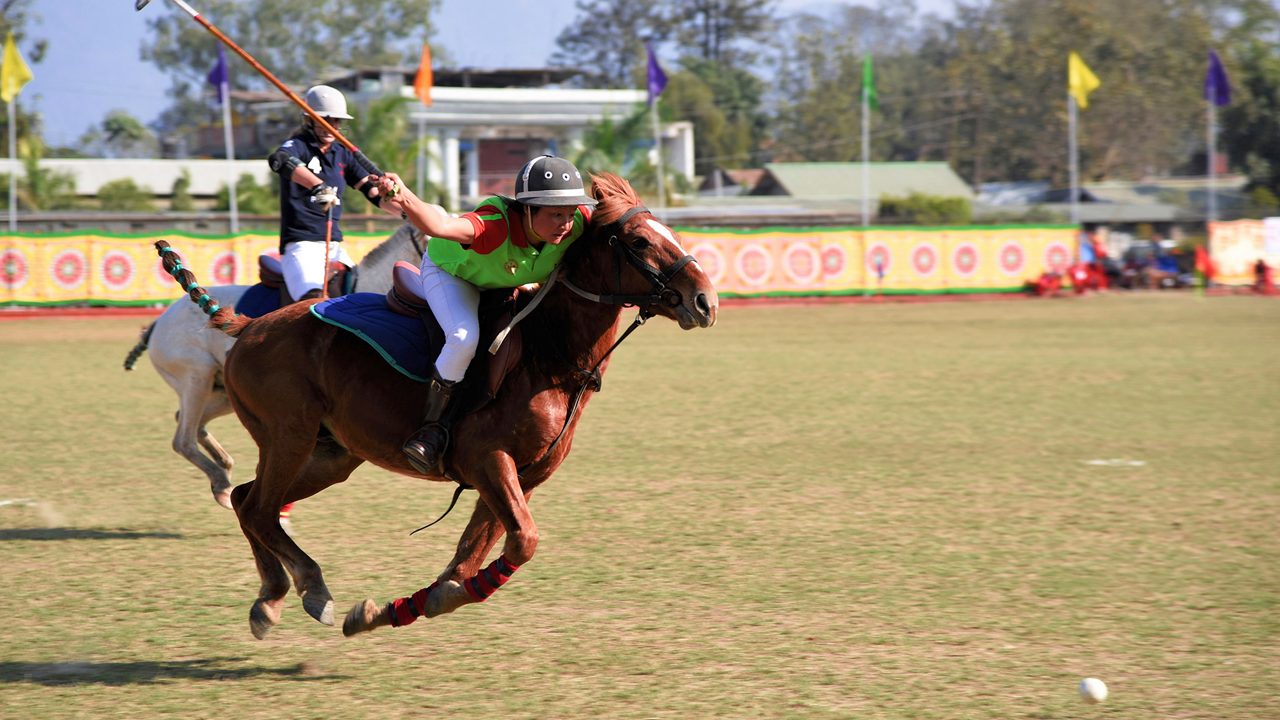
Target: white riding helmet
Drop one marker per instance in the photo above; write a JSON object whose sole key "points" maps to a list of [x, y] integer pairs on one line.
{"points": [[327, 102]]}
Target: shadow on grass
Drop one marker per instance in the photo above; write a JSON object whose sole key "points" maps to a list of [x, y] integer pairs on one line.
{"points": [[147, 673], [65, 533]]}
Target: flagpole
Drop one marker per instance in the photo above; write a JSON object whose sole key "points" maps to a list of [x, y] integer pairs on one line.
{"points": [[1074, 160], [228, 140], [866, 156], [657, 146], [1213, 161], [422, 155], [13, 165]]}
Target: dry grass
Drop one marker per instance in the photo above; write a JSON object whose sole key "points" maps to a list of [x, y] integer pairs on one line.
{"points": [[811, 512]]}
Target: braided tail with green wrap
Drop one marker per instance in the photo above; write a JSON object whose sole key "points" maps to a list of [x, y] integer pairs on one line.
{"points": [[221, 318]]}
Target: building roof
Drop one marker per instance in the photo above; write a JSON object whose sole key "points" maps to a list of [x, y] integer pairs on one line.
{"points": [[843, 181]]}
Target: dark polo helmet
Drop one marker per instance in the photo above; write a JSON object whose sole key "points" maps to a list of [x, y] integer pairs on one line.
{"points": [[550, 181]]}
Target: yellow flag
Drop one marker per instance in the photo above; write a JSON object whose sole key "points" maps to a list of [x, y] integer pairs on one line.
{"points": [[1080, 80], [14, 73]]}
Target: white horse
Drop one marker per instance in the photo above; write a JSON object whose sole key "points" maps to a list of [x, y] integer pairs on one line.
{"points": [[189, 355]]}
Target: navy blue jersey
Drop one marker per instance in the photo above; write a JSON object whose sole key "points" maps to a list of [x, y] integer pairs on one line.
{"points": [[300, 219]]}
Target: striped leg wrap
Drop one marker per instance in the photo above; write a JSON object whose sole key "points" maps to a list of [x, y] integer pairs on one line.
{"points": [[487, 581], [403, 611]]}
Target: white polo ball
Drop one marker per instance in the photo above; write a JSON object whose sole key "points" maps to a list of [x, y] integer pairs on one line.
{"points": [[1093, 690]]}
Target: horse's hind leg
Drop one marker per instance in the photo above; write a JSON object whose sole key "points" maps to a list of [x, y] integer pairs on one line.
{"points": [[328, 464], [215, 407], [265, 612], [193, 398]]}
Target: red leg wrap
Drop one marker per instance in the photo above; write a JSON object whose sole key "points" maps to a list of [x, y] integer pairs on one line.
{"points": [[286, 509], [487, 581], [403, 611]]}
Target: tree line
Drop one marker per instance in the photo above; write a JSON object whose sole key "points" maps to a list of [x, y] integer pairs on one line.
{"points": [[983, 88]]}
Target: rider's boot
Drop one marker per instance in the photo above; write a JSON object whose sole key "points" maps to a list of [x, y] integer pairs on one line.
{"points": [[425, 449]]}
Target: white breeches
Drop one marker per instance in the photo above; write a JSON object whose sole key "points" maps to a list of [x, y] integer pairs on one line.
{"points": [[304, 267], [456, 305]]}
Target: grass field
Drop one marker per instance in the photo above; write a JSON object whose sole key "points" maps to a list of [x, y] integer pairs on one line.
{"points": [[832, 511]]}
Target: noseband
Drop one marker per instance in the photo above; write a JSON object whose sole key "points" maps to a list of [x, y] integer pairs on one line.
{"points": [[657, 277]]}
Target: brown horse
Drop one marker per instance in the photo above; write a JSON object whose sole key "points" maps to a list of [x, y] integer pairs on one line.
{"points": [[318, 402]]}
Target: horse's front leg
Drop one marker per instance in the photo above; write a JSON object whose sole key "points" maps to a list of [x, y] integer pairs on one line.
{"points": [[463, 582]]}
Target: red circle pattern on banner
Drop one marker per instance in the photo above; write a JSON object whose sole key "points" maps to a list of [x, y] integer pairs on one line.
{"points": [[964, 261], [833, 261], [711, 260], [13, 269], [880, 252], [924, 258], [1012, 259], [69, 269], [1057, 257], [754, 265], [802, 264], [224, 269], [117, 270]]}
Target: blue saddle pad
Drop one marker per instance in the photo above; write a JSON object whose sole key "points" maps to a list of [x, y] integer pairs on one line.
{"points": [[402, 341], [258, 300]]}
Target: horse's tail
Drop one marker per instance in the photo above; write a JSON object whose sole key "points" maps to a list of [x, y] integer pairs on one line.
{"points": [[132, 358], [220, 318]]}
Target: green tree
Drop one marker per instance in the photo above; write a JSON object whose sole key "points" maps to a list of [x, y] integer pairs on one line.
{"points": [[251, 198], [41, 188], [608, 37], [725, 32], [120, 135], [124, 195], [300, 43], [180, 196], [1250, 132]]}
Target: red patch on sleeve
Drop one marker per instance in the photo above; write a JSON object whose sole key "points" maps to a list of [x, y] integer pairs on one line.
{"points": [[490, 234]]}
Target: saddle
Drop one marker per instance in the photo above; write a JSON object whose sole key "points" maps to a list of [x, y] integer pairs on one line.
{"points": [[270, 294], [271, 274], [497, 307]]}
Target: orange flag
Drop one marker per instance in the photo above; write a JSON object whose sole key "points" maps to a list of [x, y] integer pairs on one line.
{"points": [[422, 83]]}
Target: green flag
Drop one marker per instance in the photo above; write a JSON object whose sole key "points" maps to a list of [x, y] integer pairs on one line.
{"points": [[869, 84]]}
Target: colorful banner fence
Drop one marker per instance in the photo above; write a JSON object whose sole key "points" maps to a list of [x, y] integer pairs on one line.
{"points": [[823, 261], [102, 269], [1237, 245]]}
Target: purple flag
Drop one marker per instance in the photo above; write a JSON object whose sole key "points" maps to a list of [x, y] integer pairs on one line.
{"points": [[1217, 89], [218, 75], [657, 78]]}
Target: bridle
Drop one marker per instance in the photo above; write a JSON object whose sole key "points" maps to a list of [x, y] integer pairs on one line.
{"points": [[658, 278]]}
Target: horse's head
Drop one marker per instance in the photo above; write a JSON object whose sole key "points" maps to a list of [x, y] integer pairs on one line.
{"points": [[630, 257]]}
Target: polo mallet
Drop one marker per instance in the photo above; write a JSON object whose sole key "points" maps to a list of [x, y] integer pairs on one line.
{"points": [[328, 238], [365, 162]]}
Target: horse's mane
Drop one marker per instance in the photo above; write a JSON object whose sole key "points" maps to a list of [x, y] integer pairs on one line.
{"points": [[615, 196], [545, 333]]}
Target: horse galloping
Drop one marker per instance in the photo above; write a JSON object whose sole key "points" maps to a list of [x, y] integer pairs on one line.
{"points": [[319, 402], [190, 355]]}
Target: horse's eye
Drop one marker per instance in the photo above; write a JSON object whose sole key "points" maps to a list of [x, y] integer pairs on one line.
{"points": [[640, 243]]}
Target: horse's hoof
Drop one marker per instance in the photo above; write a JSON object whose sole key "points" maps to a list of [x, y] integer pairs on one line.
{"points": [[319, 605], [262, 617], [366, 616], [223, 498]]}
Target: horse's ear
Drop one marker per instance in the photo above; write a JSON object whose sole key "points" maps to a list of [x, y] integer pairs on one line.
{"points": [[596, 191]]}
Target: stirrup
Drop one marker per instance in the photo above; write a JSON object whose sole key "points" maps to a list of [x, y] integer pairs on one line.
{"points": [[418, 450]]}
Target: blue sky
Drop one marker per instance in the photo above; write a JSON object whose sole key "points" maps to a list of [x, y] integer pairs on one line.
{"points": [[93, 63]]}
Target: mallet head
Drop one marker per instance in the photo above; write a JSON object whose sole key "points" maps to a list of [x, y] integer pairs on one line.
{"points": [[139, 4]]}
